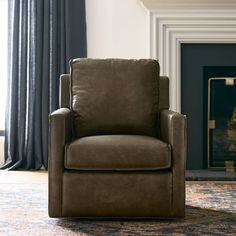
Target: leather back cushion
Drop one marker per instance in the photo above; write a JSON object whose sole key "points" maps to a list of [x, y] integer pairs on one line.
{"points": [[114, 96]]}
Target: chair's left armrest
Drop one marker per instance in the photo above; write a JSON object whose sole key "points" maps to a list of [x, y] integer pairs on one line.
{"points": [[173, 131], [60, 132]]}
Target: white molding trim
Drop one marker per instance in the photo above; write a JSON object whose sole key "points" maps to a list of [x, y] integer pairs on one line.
{"points": [[181, 4], [170, 28]]}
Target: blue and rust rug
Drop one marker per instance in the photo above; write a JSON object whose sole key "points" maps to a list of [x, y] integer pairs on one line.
{"points": [[211, 210]]}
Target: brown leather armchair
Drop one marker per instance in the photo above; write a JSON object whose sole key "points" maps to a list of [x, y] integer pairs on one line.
{"points": [[115, 150]]}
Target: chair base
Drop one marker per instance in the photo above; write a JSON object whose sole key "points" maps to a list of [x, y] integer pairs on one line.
{"points": [[118, 195]]}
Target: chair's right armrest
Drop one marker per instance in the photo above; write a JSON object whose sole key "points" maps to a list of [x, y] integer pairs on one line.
{"points": [[60, 132]]}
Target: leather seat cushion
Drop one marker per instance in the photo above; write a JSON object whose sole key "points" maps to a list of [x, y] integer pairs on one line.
{"points": [[118, 152]]}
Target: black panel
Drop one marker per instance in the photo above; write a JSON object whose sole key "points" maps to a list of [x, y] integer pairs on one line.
{"points": [[194, 57]]}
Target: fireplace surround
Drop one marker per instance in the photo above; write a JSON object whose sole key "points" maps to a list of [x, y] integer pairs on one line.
{"points": [[199, 63], [174, 23]]}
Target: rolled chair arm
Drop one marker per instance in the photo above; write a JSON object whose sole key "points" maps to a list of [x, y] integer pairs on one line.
{"points": [[59, 134], [173, 131]]}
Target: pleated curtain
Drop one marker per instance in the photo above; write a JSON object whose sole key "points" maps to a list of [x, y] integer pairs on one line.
{"points": [[43, 36]]}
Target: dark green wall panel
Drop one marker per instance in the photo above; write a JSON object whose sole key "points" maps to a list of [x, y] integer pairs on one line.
{"points": [[194, 58]]}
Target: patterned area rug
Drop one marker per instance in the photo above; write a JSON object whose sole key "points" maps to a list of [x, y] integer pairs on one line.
{"points": [[211, 210]]}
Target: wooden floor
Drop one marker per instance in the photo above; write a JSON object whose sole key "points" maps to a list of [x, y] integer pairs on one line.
{"points": [[40, 176]]}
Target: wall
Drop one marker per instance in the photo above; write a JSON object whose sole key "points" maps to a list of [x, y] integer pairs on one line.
{"points": [[1, 150], [117, 28]]}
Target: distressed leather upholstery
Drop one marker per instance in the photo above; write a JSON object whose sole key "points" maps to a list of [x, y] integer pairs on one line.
{"points": [[114, 96], [115, 148], [119, 152]]}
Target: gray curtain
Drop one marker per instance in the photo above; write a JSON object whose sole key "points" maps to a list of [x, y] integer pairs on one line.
{"points": [[43, 36]]}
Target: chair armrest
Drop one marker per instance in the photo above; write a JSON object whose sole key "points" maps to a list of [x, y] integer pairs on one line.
{"points": [[60, 129], [173, 131]]}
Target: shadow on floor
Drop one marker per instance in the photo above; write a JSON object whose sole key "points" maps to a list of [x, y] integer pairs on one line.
{"points": [[197, 221]]}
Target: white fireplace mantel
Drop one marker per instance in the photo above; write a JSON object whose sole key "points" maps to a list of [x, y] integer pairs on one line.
{"points": [[178, 4], [173, 22]]}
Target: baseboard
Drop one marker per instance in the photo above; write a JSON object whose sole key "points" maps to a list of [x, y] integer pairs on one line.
{"points": [[210, 175]]}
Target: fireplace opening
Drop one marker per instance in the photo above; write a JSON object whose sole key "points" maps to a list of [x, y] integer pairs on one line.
{"points": [[220, 116], [200, 63]]}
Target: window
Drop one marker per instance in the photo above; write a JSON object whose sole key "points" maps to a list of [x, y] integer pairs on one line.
{"points": [[3, 59]]}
